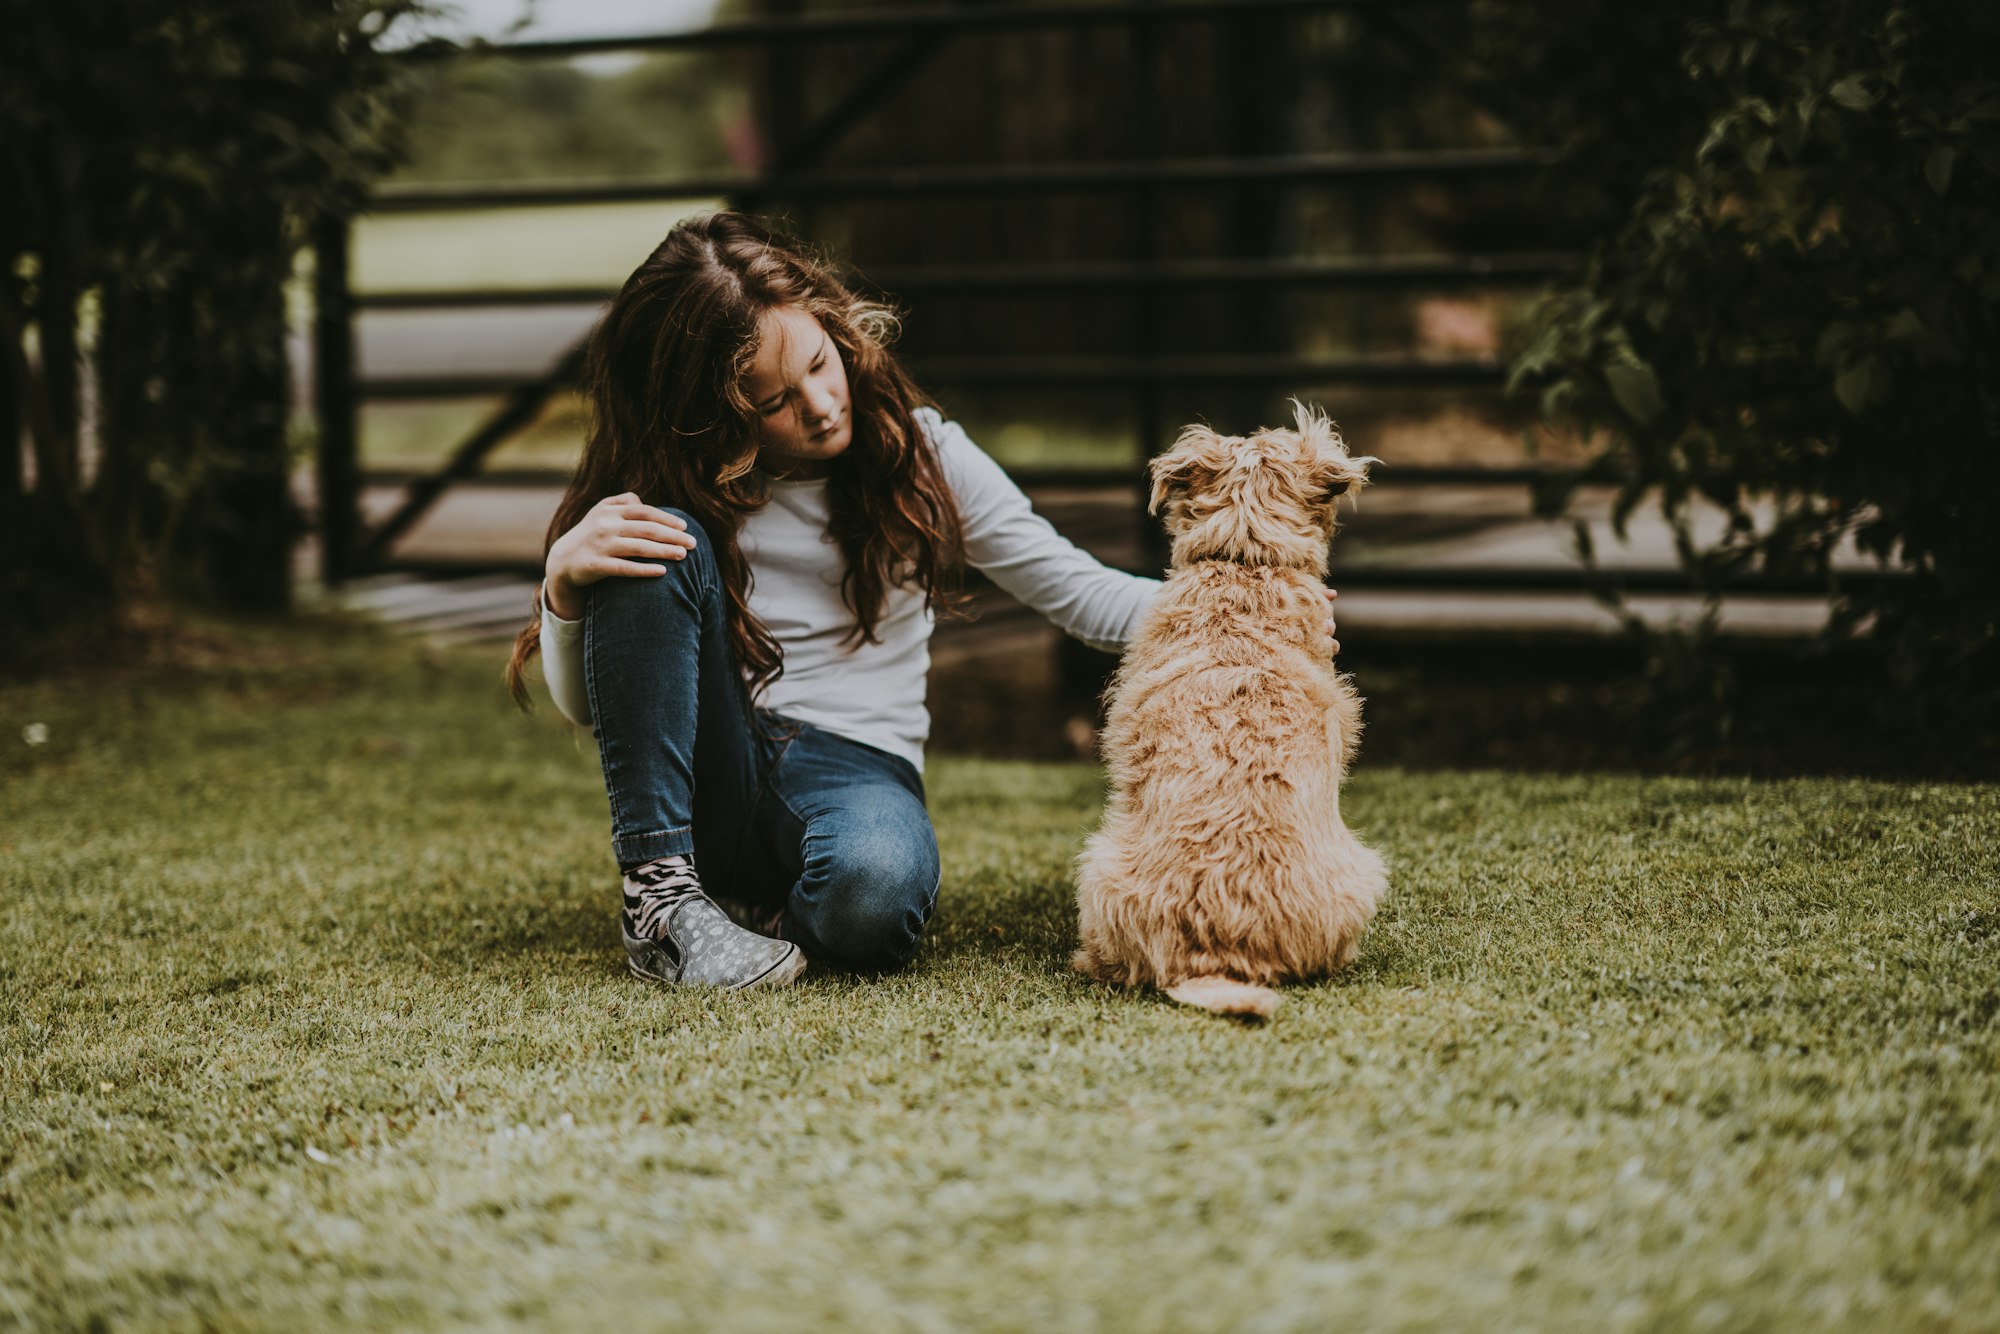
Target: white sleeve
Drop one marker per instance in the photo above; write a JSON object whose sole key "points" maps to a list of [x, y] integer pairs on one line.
{"points": [[562, 666], [1023, 553]]}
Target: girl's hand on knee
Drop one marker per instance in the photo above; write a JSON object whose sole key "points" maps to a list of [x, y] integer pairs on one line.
{"points": [[612, 539]]}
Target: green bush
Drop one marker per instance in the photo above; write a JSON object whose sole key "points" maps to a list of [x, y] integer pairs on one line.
{"points": [[165, 160], [1795, 318]]}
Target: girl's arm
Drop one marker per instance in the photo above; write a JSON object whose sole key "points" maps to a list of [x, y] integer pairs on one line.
{"points": [[562, 664], [1021, 552]]}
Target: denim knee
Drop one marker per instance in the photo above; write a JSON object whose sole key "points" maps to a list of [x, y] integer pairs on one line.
{"points": [[875, 894], [690, 576], [694, 527]]}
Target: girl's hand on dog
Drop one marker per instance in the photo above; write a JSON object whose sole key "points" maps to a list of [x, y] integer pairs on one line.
{"points": [[611, 538], [1332, 644]]}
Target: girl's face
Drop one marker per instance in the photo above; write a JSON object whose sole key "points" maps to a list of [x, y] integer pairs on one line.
{"points": [[797, 387]]}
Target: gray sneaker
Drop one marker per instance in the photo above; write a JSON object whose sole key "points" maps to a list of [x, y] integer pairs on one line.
{"points": [[675, 933], [764, 919]]}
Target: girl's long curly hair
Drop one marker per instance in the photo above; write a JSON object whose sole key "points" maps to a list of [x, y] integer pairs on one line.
{"points": [[670, 422]]}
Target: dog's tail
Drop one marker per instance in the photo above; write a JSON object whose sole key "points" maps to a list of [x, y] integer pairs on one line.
{"points": [[1225, 995]]}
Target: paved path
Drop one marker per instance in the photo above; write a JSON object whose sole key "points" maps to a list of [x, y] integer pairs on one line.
{"points": [[1411, 526], [473, 610]]}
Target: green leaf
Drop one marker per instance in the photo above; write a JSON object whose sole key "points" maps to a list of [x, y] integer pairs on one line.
{"points": [[1623, 506], [1852, 93], [1792, 134], [1937, 166], [1758, 152], [1905, 326], [1555, 400], [1862, 385], [1637, 390], [1718, 135], [1930, 346], [1834, 342]]}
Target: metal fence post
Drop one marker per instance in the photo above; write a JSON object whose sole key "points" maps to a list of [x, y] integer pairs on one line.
{"points": [[336, 402], [1146, 294], [13, 479]]}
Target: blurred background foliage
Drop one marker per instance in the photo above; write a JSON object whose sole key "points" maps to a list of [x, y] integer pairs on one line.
{"points": [[1794, 316], [164, 162], [653, 117]]}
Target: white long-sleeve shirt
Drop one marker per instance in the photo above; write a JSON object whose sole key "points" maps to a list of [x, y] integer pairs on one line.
{"points": [[874, 693]]}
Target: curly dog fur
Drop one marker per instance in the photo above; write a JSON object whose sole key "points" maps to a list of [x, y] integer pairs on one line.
{"points": [[1222, 865]]}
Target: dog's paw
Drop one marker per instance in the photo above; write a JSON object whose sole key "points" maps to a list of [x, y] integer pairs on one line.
{"points": [[1083, 961]]}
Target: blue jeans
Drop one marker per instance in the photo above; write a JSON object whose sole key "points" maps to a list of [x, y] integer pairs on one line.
{"points": [[775, 812]]}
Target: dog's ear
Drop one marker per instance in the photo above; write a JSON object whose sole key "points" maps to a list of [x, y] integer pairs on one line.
{"points": [[1336, 474], [1333, 471], [1195, 461]]}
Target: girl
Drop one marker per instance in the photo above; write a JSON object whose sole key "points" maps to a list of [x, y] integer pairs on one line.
{"points": [[739, 592]]}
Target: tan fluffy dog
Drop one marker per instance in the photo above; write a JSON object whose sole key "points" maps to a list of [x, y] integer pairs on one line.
{"points": [[1222, 864]]}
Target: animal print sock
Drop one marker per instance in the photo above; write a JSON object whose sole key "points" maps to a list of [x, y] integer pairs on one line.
{"points": [[654, 889]]}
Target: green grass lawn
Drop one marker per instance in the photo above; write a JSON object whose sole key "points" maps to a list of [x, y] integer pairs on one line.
{"points": [[312, 1015]]}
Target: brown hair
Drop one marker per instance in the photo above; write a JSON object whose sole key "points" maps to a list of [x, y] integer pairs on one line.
{"points": [[670, 421]]}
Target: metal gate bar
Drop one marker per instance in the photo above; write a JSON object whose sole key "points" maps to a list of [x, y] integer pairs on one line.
{"points": [[1034, 178], [1360, 272], [924, 30], [898, 22]]}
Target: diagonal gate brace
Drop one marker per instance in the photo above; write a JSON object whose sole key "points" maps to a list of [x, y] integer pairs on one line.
{"points": [[526, 402]]}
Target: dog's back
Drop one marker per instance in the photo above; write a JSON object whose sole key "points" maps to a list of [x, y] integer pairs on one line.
{"points": [[1222, 854], [1222, 864]]}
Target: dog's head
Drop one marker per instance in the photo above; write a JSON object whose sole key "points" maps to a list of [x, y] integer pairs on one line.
{"points": [[1265, 499]]}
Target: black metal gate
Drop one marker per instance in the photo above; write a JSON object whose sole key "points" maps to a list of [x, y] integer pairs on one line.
{"points": [[1146, 281]]}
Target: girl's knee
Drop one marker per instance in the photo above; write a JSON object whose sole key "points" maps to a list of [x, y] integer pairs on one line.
{"points": [[870, 911], [693, 524]]}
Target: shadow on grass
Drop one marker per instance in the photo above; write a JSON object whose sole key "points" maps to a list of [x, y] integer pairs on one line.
{"points": [[1032, 934], [1547, 704], [1755, 709]]}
